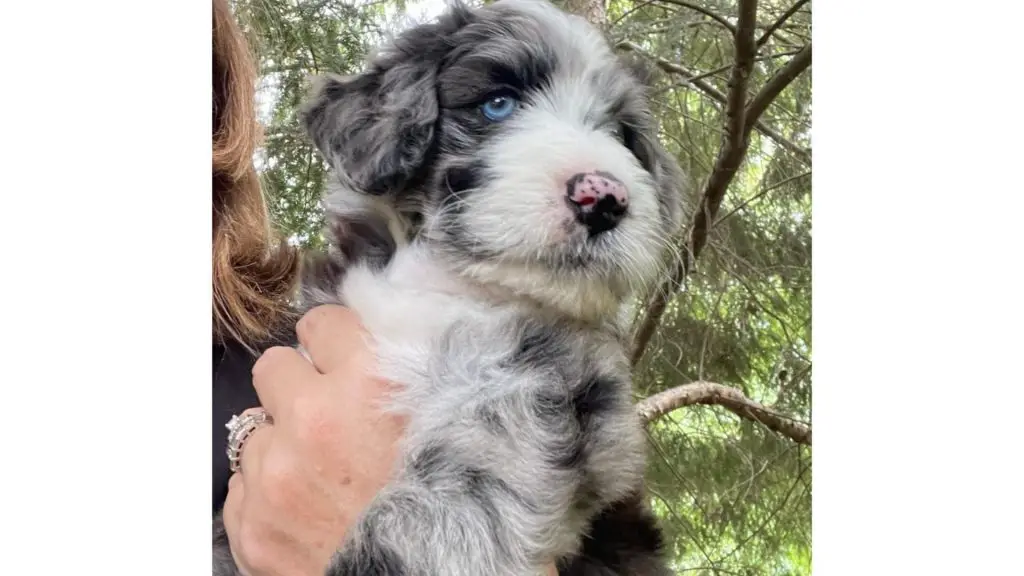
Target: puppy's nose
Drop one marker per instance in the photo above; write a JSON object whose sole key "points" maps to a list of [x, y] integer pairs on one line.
{"points": [[599, 200]]}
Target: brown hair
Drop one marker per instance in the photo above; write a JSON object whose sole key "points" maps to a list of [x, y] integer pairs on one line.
{"points": [[254, 272]]}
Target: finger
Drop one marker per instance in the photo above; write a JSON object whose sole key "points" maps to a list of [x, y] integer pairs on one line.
{"points": [[232, 512], [255, 410], [331, 335], [253, 450], [278, 376], [232, 518]]}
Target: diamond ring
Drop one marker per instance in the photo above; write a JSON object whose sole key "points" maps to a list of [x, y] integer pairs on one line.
{"points": [[239, 430]]}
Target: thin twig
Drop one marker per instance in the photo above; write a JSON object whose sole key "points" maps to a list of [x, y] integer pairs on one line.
{"points": [[777, 83], [695, 80], [727, 68], [778, 23], [770, 517], [627, 13], [764, 191], [697, 8]]}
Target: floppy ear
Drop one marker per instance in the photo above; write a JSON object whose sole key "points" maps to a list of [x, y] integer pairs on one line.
{"points": [[377, 128]]}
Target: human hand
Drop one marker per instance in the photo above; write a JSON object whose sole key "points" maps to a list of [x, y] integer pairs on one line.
{"points": [[306, 478]]}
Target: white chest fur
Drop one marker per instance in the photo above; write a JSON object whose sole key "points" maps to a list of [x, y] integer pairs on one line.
{"points": [[412, 302]]}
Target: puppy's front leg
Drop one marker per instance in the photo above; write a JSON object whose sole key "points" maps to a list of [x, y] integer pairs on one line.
{"points": [[475, 498], [412, 531]]}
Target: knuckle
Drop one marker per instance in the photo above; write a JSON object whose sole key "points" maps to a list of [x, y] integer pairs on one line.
{"points": [[310, 407], [311, 319], [284, 490], [308, 319], [277, 477], [269, 358], [235, 486], [282, 487], [304, 324], [316, 317], [253, 545]]}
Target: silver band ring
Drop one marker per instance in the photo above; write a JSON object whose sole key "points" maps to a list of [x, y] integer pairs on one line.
{"points": [[239, 430]]}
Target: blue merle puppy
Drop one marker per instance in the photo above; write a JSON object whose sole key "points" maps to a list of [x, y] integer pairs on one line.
{"points": [[499, 191]]}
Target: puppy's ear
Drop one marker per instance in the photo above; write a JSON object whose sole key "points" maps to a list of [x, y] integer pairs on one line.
{"points": [[374, 129], [377, 128]]}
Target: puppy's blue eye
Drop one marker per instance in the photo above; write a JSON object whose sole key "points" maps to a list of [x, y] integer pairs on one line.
{"points": [[499, 108]]}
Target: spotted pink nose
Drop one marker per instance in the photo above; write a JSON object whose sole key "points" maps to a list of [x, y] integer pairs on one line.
{"points": [[599, 200]]}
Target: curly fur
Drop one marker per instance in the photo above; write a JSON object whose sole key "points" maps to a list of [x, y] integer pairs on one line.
{"points": [[499, 313]]}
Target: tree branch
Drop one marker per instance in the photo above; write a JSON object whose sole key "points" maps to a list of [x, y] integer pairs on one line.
{"points": [[737, 132], [764, 191], [704, 75], [714, 192], [655, 309], [778, 23], [697, 82], [712, 394], [697, 8], [730, 156], [777, 83], [673, 68]]}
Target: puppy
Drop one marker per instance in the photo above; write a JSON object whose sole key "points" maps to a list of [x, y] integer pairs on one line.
{"points": [[500, 192]]}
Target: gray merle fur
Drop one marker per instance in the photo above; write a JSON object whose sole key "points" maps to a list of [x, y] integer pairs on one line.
{"points": [[497, 312]]}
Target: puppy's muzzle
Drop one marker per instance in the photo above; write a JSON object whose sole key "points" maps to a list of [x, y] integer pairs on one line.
{"points": [[599, 200]]}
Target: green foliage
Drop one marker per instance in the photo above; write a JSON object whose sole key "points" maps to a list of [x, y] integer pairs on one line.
{"points": [[734, 496], [295, 40]]}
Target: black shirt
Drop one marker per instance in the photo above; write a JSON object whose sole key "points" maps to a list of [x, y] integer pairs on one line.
{"points": [[232, 394]]}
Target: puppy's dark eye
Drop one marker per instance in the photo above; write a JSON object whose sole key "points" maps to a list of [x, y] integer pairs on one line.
{"points": [[627, 135], [499, 107], [631, 140]]}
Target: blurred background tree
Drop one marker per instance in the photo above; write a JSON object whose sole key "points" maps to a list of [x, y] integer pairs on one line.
{"points": [[723, 345]]}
